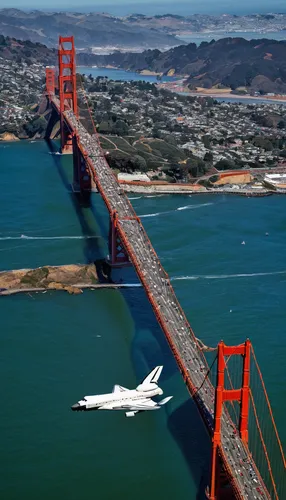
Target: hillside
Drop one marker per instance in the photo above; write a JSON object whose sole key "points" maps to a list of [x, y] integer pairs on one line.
{"points": [[89, 30], [49, 277], [231, 62], [188, 25], [26, 51]]}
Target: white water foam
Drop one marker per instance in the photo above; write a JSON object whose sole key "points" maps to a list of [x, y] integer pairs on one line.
{"points": [[42, 229], [24, 237], [135, 198], [154, 196], [186, 207], [226, 276], [152, 215]]}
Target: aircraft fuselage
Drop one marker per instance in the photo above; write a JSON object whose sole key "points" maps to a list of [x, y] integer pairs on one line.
{"points": [[114, 400]]}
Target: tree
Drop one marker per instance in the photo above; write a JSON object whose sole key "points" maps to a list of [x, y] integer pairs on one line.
{"points": [[106, 104], [105, 127], [225, 164], [196, 167], [170, 139], [263, 142], [139, 163], [209, 157], [120, 128], [133, 107], [206, 141], [156, 132]]}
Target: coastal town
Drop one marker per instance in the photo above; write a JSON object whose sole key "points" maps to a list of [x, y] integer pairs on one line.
{"points": [[21, 87], [151, 134], [183, 139]]}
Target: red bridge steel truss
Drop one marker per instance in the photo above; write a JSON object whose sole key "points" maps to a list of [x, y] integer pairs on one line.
{"points": [[122, 252]]}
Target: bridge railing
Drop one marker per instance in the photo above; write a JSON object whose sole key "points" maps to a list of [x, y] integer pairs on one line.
{"points": [[99, 169]]}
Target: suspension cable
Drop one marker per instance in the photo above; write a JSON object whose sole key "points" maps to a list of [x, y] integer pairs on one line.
{"points": [[264, 445], [269, 407], [206, 376], [89, 110], [204, 347]]}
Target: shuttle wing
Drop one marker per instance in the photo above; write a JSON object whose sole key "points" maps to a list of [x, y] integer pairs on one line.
{"points": [[131, 404], [119, 388]]}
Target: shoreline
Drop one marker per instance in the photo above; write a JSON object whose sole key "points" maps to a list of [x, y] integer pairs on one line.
{"points": [[177, 77], [164, 189], [236, 97], [78, 286]]}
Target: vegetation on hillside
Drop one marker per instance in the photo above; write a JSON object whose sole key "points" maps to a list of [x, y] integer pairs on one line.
{"points": [[258, 65]]}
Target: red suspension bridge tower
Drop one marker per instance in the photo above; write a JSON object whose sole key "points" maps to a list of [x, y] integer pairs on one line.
{"points": [[222, 395], [67, 87]]}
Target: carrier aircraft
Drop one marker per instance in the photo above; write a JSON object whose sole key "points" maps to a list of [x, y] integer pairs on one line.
{"points": [[131, 401]]}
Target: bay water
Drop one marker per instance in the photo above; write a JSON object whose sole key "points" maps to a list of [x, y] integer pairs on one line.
{"points": [[198, 38], [56, 348], [121, 74], [126, 76]]}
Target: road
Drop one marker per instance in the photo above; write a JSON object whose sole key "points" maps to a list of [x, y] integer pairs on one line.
{"points": [[239, 465]]}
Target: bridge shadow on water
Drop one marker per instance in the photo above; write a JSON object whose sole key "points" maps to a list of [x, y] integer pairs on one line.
{"points": [[93, 251], [188, 430], [150, 348]]}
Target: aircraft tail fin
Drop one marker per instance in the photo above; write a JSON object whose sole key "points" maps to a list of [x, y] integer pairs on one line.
{"points": [[152, 377], [165, 400]]}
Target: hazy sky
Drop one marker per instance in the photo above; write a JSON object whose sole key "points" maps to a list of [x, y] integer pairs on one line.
{"points": [[150, 7]]}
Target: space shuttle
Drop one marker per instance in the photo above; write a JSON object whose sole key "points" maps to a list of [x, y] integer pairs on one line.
{"points": [[131, 401]]}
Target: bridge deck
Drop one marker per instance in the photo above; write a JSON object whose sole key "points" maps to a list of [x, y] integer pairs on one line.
{"points": [[240, 467]]}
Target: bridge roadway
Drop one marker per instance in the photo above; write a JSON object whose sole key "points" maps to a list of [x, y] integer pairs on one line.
{"points": [[238, 463]]}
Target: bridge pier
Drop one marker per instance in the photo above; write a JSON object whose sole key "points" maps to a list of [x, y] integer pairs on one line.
{"points": [[117, 254]]}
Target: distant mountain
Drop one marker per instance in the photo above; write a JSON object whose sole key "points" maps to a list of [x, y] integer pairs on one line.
{"points": [[229, 62], [186, 25], [89, 30], [258, 65]]}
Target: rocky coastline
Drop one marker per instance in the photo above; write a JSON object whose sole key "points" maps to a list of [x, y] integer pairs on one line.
{"points": [[70, 278]]}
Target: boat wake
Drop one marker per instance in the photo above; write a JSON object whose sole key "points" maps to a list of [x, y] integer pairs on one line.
{"points": [[24, 237], [135, 198], [225, 276], [152, 215], [189, 207], [154, 196], [186, 207]]}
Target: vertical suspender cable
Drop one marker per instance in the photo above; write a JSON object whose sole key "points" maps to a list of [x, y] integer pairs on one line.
{"points": [[270, 409], [264, 446]]}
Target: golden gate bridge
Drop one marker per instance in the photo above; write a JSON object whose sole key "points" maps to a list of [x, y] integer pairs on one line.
{"points": [[246, 455]]}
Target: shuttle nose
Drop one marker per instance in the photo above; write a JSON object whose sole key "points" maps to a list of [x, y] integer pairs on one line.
{"points": [[75, 407]]}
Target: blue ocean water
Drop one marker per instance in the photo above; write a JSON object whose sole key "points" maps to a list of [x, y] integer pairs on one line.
{"points": [[56, 348], [120, 74], [198, 38]]}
